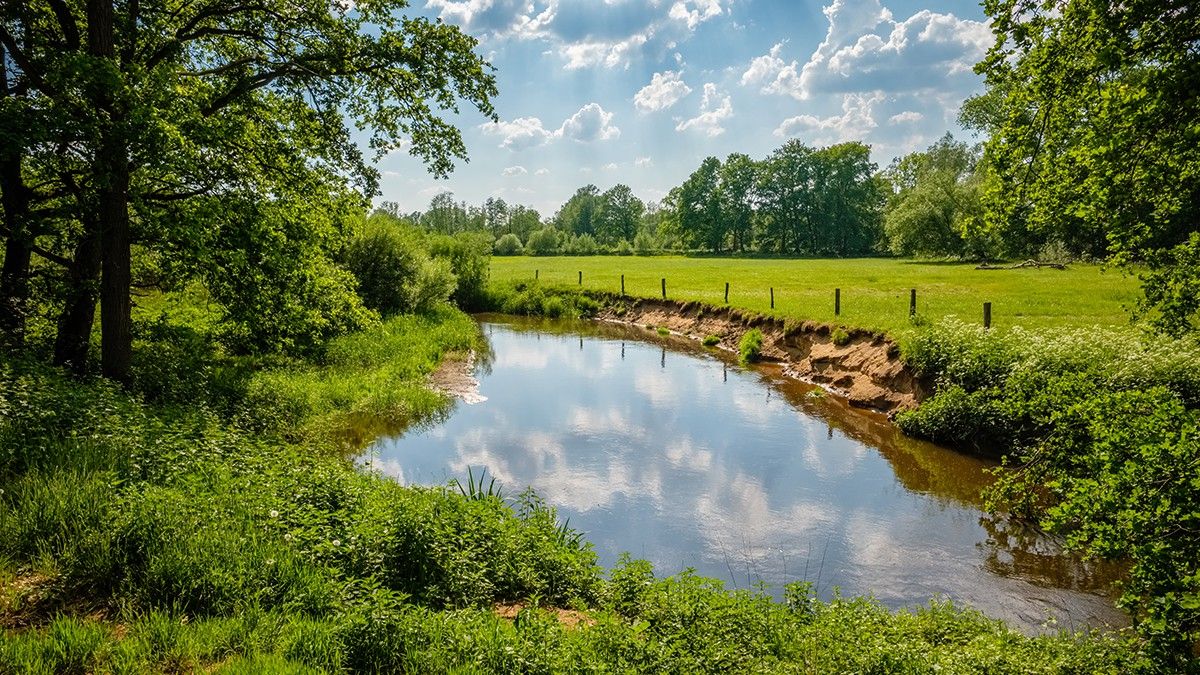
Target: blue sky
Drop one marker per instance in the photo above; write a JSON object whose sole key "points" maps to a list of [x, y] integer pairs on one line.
{"points": [[640, 91]]}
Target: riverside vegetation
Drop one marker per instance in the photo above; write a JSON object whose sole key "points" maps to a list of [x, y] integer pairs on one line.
{"points": [[172, 495]]}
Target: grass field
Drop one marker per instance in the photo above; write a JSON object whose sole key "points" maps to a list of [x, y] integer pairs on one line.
{"points": [[874, 291]]}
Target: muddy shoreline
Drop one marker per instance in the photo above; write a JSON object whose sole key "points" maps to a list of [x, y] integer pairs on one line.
{"points": [[862, 366]]}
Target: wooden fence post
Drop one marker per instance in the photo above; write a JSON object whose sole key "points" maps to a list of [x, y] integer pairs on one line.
{"points": [[622, 285], [772, 297], [664, 286], [837, 302], [535, 275], [727, 292], [912, 302], [580, 277], [987, 315]]}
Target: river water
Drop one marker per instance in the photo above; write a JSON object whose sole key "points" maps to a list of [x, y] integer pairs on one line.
{"points": [[655, 446]]}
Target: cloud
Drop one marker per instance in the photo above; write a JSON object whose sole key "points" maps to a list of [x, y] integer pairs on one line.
{"points": [[611, 166], [713, 113], [542, 172], [694, 12], [519, 134], [906, 117], [866, 50], [665, 90], [514, 171], [854, 124], [643, 161], [591, 123], [607, 54]]}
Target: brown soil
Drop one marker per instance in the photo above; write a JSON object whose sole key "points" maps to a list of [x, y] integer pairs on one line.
{"points": [[865, 369], [567, 617], [455, 377]]}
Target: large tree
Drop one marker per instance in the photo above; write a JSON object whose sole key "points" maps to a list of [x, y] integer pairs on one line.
{"points": [[620, 213], [1094, 109], [934, 202], [178, 100]]}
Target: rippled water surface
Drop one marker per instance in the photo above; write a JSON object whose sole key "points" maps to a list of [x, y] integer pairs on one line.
{"points": [[671, 452]]}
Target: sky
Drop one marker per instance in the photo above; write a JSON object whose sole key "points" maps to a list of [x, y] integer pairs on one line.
{"points": [[641, 91]]}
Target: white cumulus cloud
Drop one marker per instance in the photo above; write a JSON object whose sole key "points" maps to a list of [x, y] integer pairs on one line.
{"points": [[906, 117], [511, 171], [854, 124], [591, 123], [643, 161], [665, 90], [694, 12], [715, 109], [866, 50]]}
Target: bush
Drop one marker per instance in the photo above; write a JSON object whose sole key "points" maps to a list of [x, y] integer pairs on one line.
{"points": [[750, 346], [584, 244], [623, 248], [711, 340], [839, 337], [470, 258], [509, 244], [543, 242], [394, 272], [645, 244]]}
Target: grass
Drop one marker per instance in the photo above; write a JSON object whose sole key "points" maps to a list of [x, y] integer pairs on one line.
{"points": [[178, 532], [874, 292]]}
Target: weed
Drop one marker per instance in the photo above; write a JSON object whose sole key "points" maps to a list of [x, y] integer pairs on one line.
{"points": [[711, 340], [839, 337], [750, 346]]}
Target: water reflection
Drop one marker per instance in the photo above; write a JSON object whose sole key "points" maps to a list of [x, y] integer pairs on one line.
{"points": [[744, 475]]}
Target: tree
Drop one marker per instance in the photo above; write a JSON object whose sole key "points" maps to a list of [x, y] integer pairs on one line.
{"points": [[698, 205], [934, 200], [162, 86], [1093, 134], [786, 192], [621, 212], [581, 213], [495, 215], [739, 175]]}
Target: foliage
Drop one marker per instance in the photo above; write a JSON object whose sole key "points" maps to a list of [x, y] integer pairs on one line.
{"points": [[1102, 427], [839, 337], [543, 242], [935, 202], [1092, 111], [394, 271], [711, 340], [509, 244], [750, 346], [526, 299], [470, 257]]}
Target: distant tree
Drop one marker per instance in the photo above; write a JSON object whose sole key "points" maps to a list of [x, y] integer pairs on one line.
{"points": [[495, 215], [621, 212], [739, 176], [934, 200], [522, 220], [581, 213], [786, 199], [698, 207]]}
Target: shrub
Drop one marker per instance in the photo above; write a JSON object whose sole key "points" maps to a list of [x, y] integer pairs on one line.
{"points": [[645, 244], [584, 244], [394, 272], [509, 244], [750, 346], [543, 242], [623, 248], [711, 340], [469, 255], [840, 337]]}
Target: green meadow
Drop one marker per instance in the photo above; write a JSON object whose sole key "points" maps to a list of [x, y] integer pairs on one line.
{"points": [[874, 291]]}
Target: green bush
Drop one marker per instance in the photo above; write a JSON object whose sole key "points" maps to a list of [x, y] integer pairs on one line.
{"points": [[711, 340], [395, 273], [645, 244], [839, 337], [543, 242], [470, 258], [509, 244], [750, 346]]}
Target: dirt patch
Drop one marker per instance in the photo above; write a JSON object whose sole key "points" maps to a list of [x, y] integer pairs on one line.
{"points": [[456, 377], [31, 600], [569, 618], [862, 366]]}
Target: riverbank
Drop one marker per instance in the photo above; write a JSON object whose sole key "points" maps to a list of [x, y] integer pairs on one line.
{"points": [[210, 525]]}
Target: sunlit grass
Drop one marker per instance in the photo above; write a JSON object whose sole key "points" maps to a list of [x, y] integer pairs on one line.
{"points": [[874, 291]]}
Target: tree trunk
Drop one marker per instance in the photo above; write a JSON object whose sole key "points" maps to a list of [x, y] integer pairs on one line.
{"points": [[14, 196], [74, 339], [112, 174]]}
